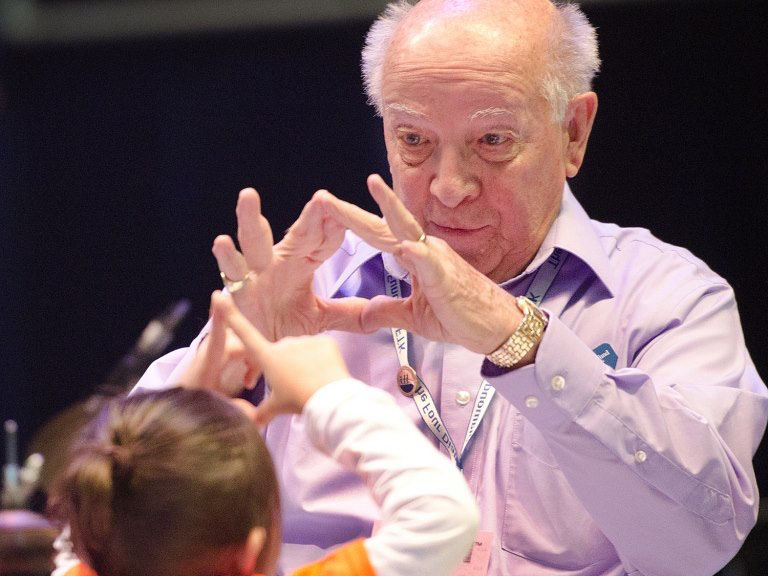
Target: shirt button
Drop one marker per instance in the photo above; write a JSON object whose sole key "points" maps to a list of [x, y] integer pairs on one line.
{"points": [[531, 401], [640, 456], [462, 397], [558, 383]]}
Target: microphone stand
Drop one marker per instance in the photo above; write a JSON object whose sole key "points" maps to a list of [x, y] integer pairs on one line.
{"points": [[26, 538]]}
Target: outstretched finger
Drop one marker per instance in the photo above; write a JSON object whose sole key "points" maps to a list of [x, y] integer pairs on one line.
{"points": [[400, 221], [230, 262], [253, 231], [209, 362], [305, 236], [334, 235], [217, 336], [255, 344], [427, 260], [371, 228], [314, 236]]}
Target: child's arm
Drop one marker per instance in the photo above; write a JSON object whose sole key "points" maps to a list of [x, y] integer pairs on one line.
{"points": [[428, 515]]}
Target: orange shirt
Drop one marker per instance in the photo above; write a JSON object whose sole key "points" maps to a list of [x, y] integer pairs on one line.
{"points": [[80, 570], [349, 560]]}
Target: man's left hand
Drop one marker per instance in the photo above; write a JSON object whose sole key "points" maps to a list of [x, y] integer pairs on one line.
{"points": [[450, 300]]}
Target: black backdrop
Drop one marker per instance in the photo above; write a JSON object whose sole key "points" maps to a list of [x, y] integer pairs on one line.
{"points": [[120, 162]]}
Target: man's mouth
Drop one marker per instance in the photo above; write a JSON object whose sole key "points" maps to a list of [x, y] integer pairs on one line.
{"points": [[452, 230]]}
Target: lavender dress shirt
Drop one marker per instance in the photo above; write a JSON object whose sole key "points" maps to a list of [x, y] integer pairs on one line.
{"points": [[625, 449]]}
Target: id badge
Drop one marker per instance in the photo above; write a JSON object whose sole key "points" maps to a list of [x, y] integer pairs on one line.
{"points": [[476, 562]]}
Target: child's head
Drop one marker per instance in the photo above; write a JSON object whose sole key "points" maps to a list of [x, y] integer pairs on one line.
{"points": [[170, 483]]}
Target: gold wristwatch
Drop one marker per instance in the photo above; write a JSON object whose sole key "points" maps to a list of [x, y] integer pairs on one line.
{"points": [[525, 337]]}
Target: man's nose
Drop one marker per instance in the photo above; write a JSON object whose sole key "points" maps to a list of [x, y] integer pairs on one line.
{"points": [[454, 180]]}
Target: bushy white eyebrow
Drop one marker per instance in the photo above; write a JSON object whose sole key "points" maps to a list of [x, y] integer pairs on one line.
{"points": [[397, 107], [490, 112]]}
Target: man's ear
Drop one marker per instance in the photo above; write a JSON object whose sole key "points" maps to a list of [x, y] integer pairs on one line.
{"points": [[253, 547], [579, 118]]}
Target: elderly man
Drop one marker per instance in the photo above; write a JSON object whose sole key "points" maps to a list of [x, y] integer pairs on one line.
{"points": [[591, 381]]}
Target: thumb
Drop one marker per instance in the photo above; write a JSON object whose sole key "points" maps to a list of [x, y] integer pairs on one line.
{"points": [[386, 312]]}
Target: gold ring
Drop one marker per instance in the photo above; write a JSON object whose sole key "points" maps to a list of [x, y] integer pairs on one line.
{"points": [[422, 238], [233, 286]]}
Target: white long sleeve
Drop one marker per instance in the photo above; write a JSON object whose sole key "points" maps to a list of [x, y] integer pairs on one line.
{"points": [[428, 515]]}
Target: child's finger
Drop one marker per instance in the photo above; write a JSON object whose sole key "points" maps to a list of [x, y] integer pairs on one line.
{"points": [[255, 344]]}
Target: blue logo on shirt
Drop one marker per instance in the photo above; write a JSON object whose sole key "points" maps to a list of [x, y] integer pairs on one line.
{"points": [[607, 354]]}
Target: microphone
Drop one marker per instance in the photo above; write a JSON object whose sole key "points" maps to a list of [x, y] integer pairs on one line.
{"points": [[151, 343], [52, 439]]}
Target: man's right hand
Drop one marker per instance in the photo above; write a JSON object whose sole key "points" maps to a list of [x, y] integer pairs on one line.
{"points": [[277, 297]]}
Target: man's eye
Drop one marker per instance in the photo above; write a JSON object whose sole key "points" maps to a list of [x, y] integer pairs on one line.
{"points": [[498, 146], [413, 146], [412, 139], [493, 139]]}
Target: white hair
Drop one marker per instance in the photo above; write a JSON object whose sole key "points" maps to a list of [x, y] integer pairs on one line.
{"points": [[377, 43], [572, 62], [573, 58]]}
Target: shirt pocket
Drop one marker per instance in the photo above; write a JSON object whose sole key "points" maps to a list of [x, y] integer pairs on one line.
{"points": [[543, 520]]}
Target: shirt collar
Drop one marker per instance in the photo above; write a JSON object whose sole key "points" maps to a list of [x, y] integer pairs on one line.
{"points": [[359, 253], [571, 231], [574, 232]]}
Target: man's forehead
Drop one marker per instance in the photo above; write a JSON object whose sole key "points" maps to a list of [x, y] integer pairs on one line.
{"points": [[440, 44]]}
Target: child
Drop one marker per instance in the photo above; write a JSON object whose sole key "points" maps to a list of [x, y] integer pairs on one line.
{"points": [[179, 482]]}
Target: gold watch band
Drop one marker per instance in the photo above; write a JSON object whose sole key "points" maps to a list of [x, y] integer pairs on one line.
{"points": [[525, 337]]}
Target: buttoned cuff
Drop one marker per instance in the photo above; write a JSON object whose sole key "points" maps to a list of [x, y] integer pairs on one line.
{"points": [[553, 390]]}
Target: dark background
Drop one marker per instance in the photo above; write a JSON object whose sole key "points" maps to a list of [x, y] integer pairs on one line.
{"points": [[121, 160]]}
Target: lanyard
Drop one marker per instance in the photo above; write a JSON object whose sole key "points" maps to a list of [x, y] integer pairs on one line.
{"points": [[545, 275], [409, 379]]}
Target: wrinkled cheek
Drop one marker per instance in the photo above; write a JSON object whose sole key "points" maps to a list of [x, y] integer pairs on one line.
{"points": [[400, 184], [486, 256], [413, 191]]}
